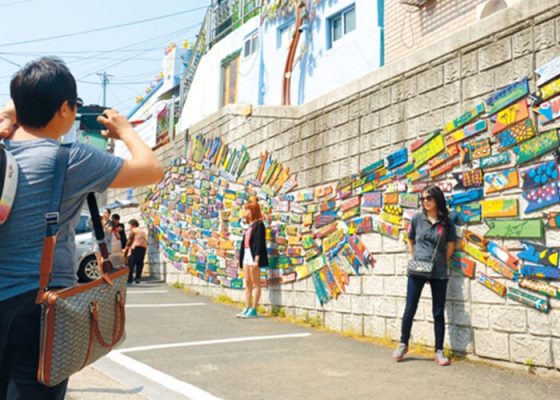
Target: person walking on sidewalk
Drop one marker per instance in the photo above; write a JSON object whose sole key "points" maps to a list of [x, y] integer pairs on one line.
{"points": [[136, 250], [118, 240], [44, 107], [253, 257], [431, 236]]}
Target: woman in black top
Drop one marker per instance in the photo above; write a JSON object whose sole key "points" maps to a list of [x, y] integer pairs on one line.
{"points": [[253, 257], [429, 229]]}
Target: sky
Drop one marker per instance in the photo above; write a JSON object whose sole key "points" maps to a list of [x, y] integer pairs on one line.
{"points": [[132, 54]]}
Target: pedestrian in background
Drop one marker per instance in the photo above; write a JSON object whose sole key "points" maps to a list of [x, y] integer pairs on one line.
{"points": [[431, 236], [44, 107], [252, 257], [136, 250], [118, 240]]}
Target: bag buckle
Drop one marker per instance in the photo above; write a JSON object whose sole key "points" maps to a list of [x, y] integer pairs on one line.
{"points": [[52, 218]]}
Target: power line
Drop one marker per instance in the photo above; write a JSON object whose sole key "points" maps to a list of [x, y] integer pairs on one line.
{"points": [[10, 62], [102, 29], [13, 3]]}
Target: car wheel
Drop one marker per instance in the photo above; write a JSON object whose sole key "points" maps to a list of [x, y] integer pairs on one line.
{"points": [[88, 269]]}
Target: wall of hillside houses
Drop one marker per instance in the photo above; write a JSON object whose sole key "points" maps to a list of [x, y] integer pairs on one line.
{"points": [[342, 132]]}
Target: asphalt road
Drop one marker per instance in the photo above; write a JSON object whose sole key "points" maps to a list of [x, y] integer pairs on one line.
{"points": [[182, 346]]}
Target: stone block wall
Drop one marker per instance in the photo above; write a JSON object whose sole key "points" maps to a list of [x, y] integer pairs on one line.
{"points": [[365, 121]]}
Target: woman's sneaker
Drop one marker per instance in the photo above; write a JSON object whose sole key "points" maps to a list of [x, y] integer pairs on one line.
{"points": [[398, 354], [441, 359], [242, 313], [251, 313]]}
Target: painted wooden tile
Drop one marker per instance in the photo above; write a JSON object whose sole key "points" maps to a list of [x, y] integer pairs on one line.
{"points": [[475, 150], [552, 220], [549, 111], [372, 200], [445, 168], [386, 229], [468, 179], [540, 272], [409, 200], [542, 288], [466, 133], [462, 264], [540, 175], [445, 186], [502, 180], [501, 269], [548, 71], [396, 159], [373, 167], [504, 256], [463, 119], [405, 170], [507, 96], [538, 254], [417, 144], [545, 92], [492, 284], [509, 116], [393, 209], [515, 229], [391, 219], [431, 148], [418, 174], [398, 186], [516, 134], [473, 251], [499, 208], [536, 147], [528, 298], [475, 238], [466, 197], [450, 153], [542, 197], [495, 160], [390, 198], [350, 203]]}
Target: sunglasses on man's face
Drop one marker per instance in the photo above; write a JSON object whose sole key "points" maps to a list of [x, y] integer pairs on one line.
{"points": [[427, 198]]}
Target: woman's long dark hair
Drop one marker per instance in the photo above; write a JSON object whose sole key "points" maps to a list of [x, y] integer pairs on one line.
{"points": [[437, 194]]}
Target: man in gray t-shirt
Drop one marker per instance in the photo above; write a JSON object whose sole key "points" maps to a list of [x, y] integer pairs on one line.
{"points": [[44, 106]]}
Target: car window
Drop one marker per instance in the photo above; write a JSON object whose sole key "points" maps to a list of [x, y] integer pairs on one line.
{"points": [[84, 225]]}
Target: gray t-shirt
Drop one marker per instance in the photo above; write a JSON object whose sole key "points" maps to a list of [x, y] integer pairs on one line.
{"points": [[426, 236], [21, 237]]}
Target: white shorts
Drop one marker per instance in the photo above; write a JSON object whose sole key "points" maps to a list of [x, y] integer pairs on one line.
{"points": [[248, 258]]}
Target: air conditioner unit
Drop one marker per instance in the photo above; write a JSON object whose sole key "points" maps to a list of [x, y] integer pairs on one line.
{"points": [[490, 7], [415, 3]]}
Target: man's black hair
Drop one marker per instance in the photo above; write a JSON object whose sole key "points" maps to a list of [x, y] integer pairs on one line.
{"points": [[39, 89], [116, 216], [134, 223]]}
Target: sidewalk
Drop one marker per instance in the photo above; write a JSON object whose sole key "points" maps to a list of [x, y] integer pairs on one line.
{"points": [[90, 384]]}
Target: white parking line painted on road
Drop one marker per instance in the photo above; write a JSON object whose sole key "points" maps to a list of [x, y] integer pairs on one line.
{"points": [[164, 305], [145, 291], [186, 389], [210, 342]]}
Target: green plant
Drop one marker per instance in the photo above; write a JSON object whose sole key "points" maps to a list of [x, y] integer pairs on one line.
{"points": [[278, 311], [314, 322], [224, 299], [178, 285]]}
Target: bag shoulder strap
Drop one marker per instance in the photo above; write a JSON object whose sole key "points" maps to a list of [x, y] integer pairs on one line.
{"points": [[52, 219], [437, 245]]}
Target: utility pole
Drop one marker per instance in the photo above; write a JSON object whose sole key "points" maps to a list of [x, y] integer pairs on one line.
{"points": [[104, 82]]}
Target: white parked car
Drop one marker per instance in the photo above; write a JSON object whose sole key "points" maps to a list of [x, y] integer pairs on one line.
{"points": [[86, 248]]}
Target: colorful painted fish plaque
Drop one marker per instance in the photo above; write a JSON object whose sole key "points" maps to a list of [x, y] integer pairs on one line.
{"points": [[431, 148], [536, 271], [538, 254], [516, 134], [499, 208], [461, 263], [495, 160], [549, 111], [386, 229], [536, 147], [548, 71], [501, 269], [540, 175], [468, 179], [507, 96], [528, 298], [502, 180], [543, 288], [409, 200], [468, 213], [492, 284], [445, 168], [515, 229], [475, 150], [372, 200], [466, 133], [463, 119], [466, 197], [475, 238], [396, 159], [509, 116], [360, 225], [504, 256], [390, 198], [473, 251], [542, 197], [552, 220], [545, 92]]}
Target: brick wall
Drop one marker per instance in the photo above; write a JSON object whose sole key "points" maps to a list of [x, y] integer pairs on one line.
{"points": [[336, 135]]}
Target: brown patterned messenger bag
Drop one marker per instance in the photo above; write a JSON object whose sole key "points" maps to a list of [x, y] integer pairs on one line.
{"points": [[83, 323]]}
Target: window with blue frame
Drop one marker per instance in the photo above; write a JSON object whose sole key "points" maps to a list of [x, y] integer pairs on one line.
{"points": [[341, 24], [285, 34]]}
